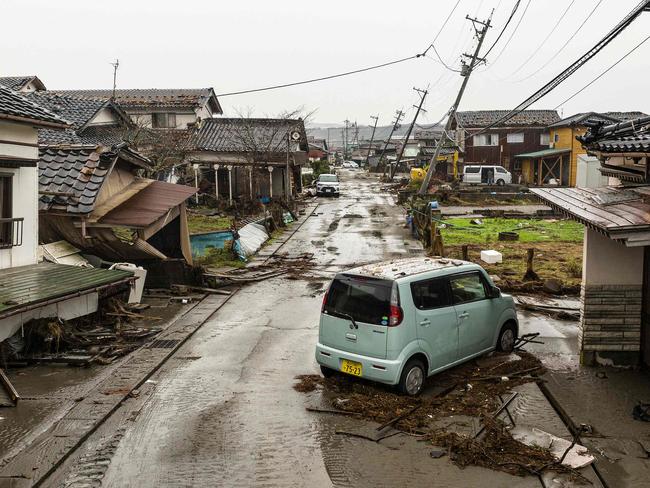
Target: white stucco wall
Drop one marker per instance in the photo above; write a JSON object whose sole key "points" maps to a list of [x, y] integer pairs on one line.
{"points": [[24, 194], [104, 116], [607, 262]]}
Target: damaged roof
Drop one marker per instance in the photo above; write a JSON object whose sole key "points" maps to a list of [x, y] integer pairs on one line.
{"points": [[14, 106], [254, 135], [527, 118], [80, 112], [70, 177], [623, 116], [579, 119], [402, 268], [154, 97], [148, 205], [17, 83], [632, 136]]}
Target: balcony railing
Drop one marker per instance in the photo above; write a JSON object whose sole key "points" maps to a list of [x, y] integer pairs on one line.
{"points": [[11, 232]]}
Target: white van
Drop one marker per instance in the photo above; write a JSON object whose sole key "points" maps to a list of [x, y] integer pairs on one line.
{"points": [[476, 174]]}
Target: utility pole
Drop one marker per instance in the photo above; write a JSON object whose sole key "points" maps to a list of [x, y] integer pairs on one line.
{"points": [[423, 95], [345, 139], [372, 138], [466, 72], [398, 116]]}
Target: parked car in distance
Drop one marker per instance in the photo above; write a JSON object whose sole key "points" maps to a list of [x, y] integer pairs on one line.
{"points": [[486, 174], [328, 184], [350, 165], [401, 321]]}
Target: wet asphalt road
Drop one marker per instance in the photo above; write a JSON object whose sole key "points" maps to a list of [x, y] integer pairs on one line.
{"points": [[222, 411]]}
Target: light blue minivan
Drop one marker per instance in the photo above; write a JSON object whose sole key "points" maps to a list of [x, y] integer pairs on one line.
{"points": [[398, 322]]}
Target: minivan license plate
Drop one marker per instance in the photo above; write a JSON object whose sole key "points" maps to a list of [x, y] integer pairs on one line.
{"points": [[351, 367]]}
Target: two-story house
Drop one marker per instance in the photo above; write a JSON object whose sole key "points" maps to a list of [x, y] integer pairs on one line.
{"points": [[481, 143], [29, 289]]}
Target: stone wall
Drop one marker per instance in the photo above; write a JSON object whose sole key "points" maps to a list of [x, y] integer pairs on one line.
{"points": [[610, 322]]}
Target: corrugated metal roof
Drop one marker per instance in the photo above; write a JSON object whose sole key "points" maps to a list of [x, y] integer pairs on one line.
{"points": [[42, 282], [610, 209], [543, 153], [148, 205]]}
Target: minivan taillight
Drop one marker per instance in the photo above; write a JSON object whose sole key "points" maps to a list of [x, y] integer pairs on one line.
{"points": [[322, 308], [396, 313], [396, 316]]}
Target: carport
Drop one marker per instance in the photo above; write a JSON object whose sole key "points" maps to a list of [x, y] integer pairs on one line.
{"points": [[540, 167]]}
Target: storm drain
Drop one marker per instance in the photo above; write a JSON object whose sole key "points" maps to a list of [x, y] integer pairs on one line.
{"points": [[415, 251], [164, 343]]}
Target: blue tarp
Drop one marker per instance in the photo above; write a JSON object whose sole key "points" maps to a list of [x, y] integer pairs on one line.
{"points": [[200, 242]]}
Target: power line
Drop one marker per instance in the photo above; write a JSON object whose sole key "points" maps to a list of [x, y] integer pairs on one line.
{"points": [[323, 78], [541, 44], [442, 61], [563, 45], [575, 66], [442, 27], [603, 73], [512, 14], [511, 35]]}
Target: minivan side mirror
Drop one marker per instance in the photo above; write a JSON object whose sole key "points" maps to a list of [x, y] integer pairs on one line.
{"points": [[495, 292]]}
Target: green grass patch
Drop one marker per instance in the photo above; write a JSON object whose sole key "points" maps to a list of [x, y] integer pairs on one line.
{"points": [[218, 258], [461, 231], [198, 224]]}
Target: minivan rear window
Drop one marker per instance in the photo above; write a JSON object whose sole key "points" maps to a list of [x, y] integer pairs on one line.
{"points": [[366, 299]]}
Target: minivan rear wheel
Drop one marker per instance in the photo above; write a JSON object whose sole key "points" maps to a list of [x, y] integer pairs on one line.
{"points": [[507, 338], [327, 372], [501, 182], [412, 379]]}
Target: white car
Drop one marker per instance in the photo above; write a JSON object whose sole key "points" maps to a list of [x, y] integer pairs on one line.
{"points": [[327, 184], [477, 174], [350, 164]]}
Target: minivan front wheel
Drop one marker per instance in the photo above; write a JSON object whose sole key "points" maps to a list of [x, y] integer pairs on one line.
{"points": [[412, 379], [507, 337]]}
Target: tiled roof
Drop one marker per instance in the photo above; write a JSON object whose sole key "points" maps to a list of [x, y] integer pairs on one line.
{"points": [[578, 119], [17, 82], [527, 118], [15, 106], [630, 136], [152, 97], [78, 111], [625, 115], [623, 144], [75, 173], [247, 135]]}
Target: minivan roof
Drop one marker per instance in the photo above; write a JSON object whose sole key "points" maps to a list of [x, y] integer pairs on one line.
{"points": [[403, 268]]}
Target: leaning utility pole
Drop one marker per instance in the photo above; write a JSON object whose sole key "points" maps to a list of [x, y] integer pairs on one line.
{"points": [[423, 95], [372, 137], [398, 116], [466, 71], [345, 140]]}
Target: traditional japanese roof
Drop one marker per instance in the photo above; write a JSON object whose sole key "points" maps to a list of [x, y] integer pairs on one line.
{"points": [[70, 177], [619, 212], [154, 97], [16, 107], [243, 135], [632, 136], [528, 118], [623, 116], [543, 153], [16, 83], [579, 119], [80, 112]]}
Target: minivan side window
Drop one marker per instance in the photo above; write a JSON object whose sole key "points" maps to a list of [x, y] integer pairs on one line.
{"points": [[430, 294], [467, 288], [500, 169], [472, 169]]}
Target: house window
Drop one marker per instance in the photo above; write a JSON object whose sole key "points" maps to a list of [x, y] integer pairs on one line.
{"points": [[517, 165], [486, 140], [6, 210], [163, 121], [515, 138], [556, 137], [544, 139]]}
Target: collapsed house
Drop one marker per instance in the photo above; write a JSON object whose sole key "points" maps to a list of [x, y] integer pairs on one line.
{"points": [[250, 158], [29, 289], [615, 310]]}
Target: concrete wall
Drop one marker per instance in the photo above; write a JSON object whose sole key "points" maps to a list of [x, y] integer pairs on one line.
{"points": [[24, 194], [588, 174], [610, 319]]}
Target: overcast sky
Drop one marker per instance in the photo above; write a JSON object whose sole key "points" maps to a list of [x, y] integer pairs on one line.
{"points": [[248, 44]]}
